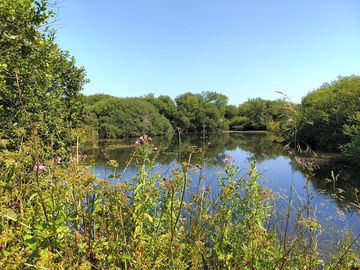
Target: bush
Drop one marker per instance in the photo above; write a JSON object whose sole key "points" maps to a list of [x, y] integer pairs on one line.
{"points": [[127, 117], [327, 110]]}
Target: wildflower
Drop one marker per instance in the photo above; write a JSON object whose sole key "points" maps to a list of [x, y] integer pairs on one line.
{"points": [[57, 160], [143, 138], [65, 182], [228, 159], [39, 167]]}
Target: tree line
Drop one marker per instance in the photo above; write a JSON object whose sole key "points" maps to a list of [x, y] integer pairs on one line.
{"points": [[41, 92], [208, 111]]}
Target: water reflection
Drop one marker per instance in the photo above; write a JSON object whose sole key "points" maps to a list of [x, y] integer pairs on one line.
{"points": [[279, 170]]}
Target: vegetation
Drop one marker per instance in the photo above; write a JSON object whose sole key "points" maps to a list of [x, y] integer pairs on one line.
{"points": [[327, 110], [330, 117], [258, 114], [126, 117], [57, 215], [205, 112], [39, 83]]}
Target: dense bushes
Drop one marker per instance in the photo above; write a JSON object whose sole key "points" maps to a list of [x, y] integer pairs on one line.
{"points": [[257, 114], [328, 118], [127, 117], [327, 110], [39, 83], [122, 117]]}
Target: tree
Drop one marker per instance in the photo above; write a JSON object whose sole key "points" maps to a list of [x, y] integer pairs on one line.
{"points": [[327, 110], [201, 112], [40, 85], [352, 130], [127, 117]]}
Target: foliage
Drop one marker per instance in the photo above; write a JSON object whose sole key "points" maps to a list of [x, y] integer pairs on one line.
{"points": [[257, 114], [126, 117], [200, 112], [165, 105], [352, 130], [39, 83], [57, 215], [327, 111]]}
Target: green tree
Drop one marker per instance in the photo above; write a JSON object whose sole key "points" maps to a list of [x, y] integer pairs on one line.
{"points": [[165, 105], [201, 112], [127, 117], [327, 110], [352, 130], [40, 84]]}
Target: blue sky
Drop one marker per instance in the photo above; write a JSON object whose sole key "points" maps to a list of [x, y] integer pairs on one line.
{"points": [[243, 49]]}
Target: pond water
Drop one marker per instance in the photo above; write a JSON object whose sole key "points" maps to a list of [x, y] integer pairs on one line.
{"points": [[280, 171]]}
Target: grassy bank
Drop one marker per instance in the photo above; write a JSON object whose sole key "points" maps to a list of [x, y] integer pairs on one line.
{"points": [[57, 215]]}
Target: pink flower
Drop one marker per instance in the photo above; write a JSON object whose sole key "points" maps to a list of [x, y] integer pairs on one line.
{"points": [[57, 160], [143, 138], [228, 159], [39, 167]]}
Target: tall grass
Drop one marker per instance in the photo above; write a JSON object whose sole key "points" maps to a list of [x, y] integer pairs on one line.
{"points": [[57, 215]]}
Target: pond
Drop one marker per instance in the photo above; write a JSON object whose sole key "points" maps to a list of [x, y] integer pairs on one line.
{"points": [[332, 204]]}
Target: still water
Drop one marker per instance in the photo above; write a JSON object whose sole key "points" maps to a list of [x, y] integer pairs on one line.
{"points": [[280, 172]]}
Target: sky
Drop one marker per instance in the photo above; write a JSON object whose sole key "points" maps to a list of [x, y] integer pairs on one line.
{"points": [[243, 49]]}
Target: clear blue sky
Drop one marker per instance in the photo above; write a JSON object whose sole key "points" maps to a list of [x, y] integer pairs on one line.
{"points": [[243, 49]]}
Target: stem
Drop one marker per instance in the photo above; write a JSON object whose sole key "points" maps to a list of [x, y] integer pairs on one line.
{"points": [[40, 195], [346, 251]]}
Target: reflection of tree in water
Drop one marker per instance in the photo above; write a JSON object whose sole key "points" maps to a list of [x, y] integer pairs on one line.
{"points": [[347, 181], [260, 146]]}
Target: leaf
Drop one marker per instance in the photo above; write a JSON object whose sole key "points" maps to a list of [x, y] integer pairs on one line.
{"points": [[139, 186], [32, 197]]}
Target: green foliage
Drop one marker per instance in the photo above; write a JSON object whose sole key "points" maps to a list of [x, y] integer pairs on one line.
{"points": [[352, 130], [165, 105], [257, 114], [57, 215], [327, 110], [39, 83], [200, 112], [126, 117]]}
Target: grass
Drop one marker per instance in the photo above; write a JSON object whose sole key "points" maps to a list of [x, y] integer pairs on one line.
{"points": [[63, 217]]}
